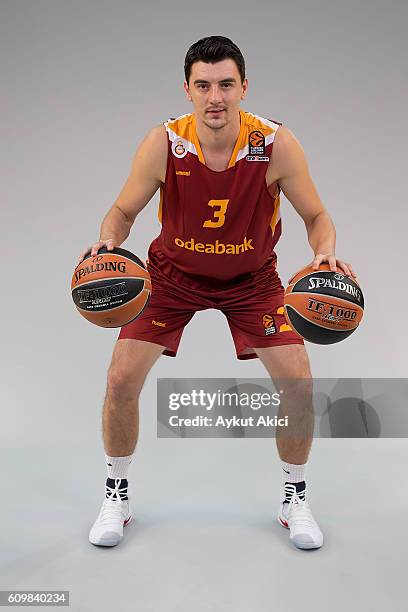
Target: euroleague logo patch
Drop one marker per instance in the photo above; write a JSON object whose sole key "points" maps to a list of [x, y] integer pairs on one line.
{"points": [[256, 147], [179, 148], [269, 324], [256, 143]]}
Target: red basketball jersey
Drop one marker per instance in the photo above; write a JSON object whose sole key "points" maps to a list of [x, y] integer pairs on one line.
{"points": [[219, 224]]}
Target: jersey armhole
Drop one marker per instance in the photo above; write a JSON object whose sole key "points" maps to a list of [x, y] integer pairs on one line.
{"points": [[274, 121], [165, 123]]}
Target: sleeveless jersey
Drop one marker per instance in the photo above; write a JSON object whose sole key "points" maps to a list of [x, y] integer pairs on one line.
{"points": [[219, 224]]}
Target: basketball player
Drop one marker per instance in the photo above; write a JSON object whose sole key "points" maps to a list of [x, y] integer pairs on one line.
{"points": [[220, 171]]}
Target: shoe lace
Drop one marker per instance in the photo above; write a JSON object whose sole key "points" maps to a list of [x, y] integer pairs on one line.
{"points": [[298, 506], [114, 493], [112, 507]]}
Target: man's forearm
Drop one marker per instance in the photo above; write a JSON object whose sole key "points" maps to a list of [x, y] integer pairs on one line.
{"points": [[321, 234], [116, 226]]}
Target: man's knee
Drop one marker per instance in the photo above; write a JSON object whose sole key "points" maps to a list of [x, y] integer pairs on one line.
{"points": [[131, 362], [286, 361], [298, 390], [123, 382]]}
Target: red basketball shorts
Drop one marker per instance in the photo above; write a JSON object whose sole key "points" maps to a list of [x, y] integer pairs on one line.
{"points": [[252, 304]]}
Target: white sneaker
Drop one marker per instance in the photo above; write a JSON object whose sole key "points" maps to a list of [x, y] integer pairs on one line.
{"points": [[296, 516], [114, 515]]}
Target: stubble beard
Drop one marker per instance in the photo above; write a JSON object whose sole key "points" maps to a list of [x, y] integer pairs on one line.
{"points": [[217, 126]]}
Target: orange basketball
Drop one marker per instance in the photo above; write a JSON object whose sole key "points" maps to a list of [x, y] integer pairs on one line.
{"points": [[111, 288], [322, 306]]}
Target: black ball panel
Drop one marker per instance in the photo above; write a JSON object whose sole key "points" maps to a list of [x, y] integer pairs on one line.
{"points": [[106, 294], [312, 332]]}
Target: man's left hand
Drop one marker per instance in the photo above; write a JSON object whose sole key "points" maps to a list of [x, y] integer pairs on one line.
{"points": [[334, 263]]}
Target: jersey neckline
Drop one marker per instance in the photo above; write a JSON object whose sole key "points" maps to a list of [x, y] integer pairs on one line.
{"points": [[239, 144]]}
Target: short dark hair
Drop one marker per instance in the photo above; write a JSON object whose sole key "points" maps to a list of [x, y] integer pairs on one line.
{"points": [[212, 49]]}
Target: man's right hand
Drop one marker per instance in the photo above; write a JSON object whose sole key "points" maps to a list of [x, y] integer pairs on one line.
{"points": [[93, 250]]}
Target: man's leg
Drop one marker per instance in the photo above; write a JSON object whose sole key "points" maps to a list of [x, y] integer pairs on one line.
{"points": [[132, 359], [288, 366], [131, 362]]}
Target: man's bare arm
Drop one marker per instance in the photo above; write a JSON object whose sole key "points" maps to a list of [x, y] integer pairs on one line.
{"points": [[147, 173], [290, 165]]}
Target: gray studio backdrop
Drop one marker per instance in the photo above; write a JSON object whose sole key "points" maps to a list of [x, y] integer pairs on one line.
{"points": [[82, 83]]}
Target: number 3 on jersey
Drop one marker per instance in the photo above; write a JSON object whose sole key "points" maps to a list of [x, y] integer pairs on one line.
{"points": [[219, 213]]}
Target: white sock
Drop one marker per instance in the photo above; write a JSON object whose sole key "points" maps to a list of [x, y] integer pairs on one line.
{"points": [[293, 472], [118, 467]]}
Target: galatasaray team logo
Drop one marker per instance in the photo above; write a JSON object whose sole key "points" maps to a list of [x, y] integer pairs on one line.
{"points": [[179, 148]]}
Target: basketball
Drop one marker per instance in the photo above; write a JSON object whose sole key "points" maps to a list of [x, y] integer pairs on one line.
{"points": [[322, 306], [111, 288]]}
